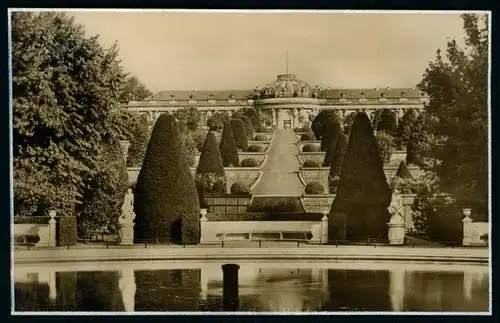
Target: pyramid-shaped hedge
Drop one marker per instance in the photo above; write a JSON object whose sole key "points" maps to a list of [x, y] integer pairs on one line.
{"points": [[227, 147], [247, 123], [403, 171], [239, 133], [363, 193], [166, 202]]}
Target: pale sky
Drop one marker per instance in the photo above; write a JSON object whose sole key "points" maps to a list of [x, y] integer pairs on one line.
{"points": [[221, 51]]}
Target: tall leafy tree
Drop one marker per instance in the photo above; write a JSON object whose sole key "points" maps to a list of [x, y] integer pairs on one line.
{"points": [[326, 127], [403, 133], [388, 122], [190, 116], [65, 99], [139, 141], [363, 193], [458, 115], [348, 121], [134, 90], [166, 202]]}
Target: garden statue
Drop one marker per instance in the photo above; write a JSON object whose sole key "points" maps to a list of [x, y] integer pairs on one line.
{"points": [[128, 214], [397, 222], [126, 220]]}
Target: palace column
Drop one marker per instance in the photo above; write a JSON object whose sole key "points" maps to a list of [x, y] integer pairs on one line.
{"points": [[127, 287]]}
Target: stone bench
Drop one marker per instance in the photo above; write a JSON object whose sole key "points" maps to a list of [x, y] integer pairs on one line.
{"points": [[267, 235]]}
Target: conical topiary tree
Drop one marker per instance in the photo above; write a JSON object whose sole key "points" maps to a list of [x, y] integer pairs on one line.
{"points": [[363, 193], [210, 171], [338, 159], [227, 147], [166, 203], [247, 123], [240, 136], [403, 171]]}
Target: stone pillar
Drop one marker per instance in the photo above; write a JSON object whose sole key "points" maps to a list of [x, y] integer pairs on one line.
{"points": [[466, 227], [203, 221], [324, 228], [52, 229], [397, 289], [230, 298], [127, 287]]}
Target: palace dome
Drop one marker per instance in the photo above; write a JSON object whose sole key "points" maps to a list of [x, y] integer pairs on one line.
{"points": [[287, 86]]}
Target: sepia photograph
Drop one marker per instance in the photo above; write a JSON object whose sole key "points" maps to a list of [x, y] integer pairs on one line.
{"points": [[227, 162]]}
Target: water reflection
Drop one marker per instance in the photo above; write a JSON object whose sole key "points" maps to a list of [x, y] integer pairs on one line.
{"points": [[261, 287]]}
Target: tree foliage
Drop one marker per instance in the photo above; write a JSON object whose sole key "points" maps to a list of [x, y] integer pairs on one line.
{"points": [[216, 121], [139, 141], [326, 127], [210, 158], [388, 122], [405, 126], [338, 156], [166, 203], [386, 146], [228, 148], [457, 123], [363, 193], [347, 122], [66, 91], [239, 133], [190, 116], [134, 90]]}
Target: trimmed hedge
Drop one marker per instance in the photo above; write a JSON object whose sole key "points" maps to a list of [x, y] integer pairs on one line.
{"points": [[228, 149], [264, 129], [403, 171], [306, 129], [310, 148], [276, 204], [260, 137], [326, 126], [166, 202], [314, 188], [239, 133], [338, 157], [309, 136], [363, 193], [240, 188], [265, 216], [310, 163], [255, 148], [249, 162]]}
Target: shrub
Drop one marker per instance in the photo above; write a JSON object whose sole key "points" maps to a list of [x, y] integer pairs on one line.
{"points": [[338, 157], [314, 188], [249, 162], [264, 129], [363, 193], [385, 142], [330, 152], [239, 133], [228, 149], [260, 137], [255, 148], [310, 163], [210, 183], [310, 148], [306, 129], [254, 117], [166, 202], [248, 126], [240, 188], [307, 137], [190, 116], [347, 122], [188, 143]]}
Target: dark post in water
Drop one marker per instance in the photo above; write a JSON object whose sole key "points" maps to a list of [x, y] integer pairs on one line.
{"points": [[230, 299]]}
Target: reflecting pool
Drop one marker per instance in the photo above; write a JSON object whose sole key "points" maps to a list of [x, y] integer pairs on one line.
{"points": [[262, 287]]}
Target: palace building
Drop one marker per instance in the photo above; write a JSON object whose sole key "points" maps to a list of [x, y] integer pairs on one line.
{"points": [[287, 102]]}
